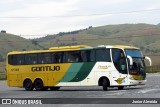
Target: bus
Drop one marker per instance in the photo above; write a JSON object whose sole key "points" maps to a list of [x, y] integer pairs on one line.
{"points": [[81, 65]]}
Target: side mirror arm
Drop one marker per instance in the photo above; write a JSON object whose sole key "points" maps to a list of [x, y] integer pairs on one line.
{"points": [[130, 59], [149, 59]]}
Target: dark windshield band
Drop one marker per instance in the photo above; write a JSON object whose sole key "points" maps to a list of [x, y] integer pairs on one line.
{"points": [[134, 53]]}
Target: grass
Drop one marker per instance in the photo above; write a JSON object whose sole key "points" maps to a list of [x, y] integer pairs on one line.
{"points": [[145, 36], [2, 76], [153, 69]]}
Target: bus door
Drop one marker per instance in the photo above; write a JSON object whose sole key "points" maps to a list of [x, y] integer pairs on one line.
{"points": [[120, 63]]}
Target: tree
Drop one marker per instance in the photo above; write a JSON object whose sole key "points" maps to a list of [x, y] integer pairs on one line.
{"points": [[89, 27], [3, 31], [34, 42]]}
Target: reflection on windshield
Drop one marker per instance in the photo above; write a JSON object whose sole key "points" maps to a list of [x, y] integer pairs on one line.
{"points": [[138, 67], [134, 52]]}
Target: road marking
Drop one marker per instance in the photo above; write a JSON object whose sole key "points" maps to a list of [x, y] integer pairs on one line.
{"points": [[148, 90], [110, 93], [155, 74]]}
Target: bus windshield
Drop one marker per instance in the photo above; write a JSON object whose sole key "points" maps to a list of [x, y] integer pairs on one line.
{"points": [[138, 67], [134, 52]]}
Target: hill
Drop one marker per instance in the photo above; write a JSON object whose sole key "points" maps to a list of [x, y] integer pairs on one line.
{"points": [[10, 42], [145, 36]]}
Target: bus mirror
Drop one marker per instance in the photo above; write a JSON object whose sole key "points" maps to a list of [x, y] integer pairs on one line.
{"points": [[149, 59], [130, 60]]}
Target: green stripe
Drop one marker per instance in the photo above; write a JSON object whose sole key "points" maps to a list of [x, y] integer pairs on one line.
{"points": [[83, 72], [72, 72]]}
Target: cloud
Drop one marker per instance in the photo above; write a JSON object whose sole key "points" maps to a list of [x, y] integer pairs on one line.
{"points": [[53, 16], [44, 9]]}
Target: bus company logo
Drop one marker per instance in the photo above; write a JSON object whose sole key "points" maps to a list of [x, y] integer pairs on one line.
{"points": [[102, 67], [6, 101], [45, 68]]}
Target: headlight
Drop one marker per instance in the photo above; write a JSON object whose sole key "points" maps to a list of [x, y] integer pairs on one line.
{"points": [[131, 78]]}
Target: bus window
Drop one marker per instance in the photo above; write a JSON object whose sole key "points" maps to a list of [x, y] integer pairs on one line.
{"points": [[92, 55], [72, 56], [44, 58], [16, 59], [31, 59], [103, 55], [12, 59], [20, 59], [88, 56], [119, 60], [83, 56], [57, 57]]}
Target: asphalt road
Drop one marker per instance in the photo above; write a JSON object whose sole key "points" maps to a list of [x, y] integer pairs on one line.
{"points": [[150, 90]]}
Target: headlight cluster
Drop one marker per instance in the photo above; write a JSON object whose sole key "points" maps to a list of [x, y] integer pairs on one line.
{"points": [[131, 78]]}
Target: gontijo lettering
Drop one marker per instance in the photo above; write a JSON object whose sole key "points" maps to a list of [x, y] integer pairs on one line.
{"points": [[45, 68]]}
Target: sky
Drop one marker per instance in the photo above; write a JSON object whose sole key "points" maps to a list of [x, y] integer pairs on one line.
{"points": [[36, 18]]}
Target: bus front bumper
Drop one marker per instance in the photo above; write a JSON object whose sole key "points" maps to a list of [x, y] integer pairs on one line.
{"points": [[137, 82]]}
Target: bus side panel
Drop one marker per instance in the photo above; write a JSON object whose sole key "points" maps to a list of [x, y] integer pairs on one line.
{"points": [[19, 79], [104, 69], [12, 80], [77, 75], [55, 77], [13, 76]]}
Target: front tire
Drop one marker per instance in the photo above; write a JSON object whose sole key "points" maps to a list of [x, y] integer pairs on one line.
{"points": [[105, 84], [38, 85], [28, 85]]}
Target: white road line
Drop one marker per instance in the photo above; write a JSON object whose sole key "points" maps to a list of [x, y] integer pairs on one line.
{"points": [[118, 92], [148, 90], [154, 74]]}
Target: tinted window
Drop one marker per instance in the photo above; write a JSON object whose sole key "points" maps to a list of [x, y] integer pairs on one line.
{"points": [[88, 56], [44, 58], [16, 59], [72, 56], [12, 59], [119, 60], [103, 55], [57, 57], [31, 59], [133, 52], [20, 59]]}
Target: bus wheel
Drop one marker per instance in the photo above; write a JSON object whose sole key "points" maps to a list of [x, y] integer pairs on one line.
{"points": [[38, 85], [28, 85], [120, 87], [105, 84], [54, 88]]}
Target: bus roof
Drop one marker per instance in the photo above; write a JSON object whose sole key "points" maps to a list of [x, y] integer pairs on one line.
{"points": [[117, 46], [53, 49], [125, 47], [68, 48]]}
